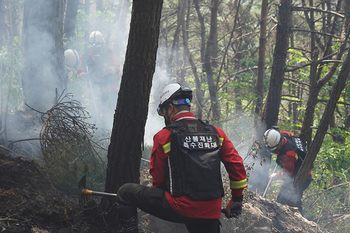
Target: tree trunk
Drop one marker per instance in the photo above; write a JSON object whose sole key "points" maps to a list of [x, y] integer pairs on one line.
{"points": [[211, 50], [198, 79], [269, 115], [202, 32], [87, 5], [316, 144], [236, 90], [261, 62], [15, 20], [42, 62], [347, 122], [121, 18], [2, 23], [175, 45], [71, 18], [316, 85], [124, 152], [271, 109], [99, 5], [337, 88], [199, 92], [99, 20]]}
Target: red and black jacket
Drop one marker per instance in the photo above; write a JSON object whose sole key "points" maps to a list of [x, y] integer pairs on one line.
{"points": [[291, 155], [183, 204]]}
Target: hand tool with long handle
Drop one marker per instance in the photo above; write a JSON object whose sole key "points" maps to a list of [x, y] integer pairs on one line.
{"points": [[84, 192], [268, 184]]}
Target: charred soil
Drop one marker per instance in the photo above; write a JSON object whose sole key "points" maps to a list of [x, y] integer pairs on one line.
{"points": [[29, 202]]}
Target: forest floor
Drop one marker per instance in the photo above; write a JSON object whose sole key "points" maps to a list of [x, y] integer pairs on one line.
{"points": [[30, 203]]}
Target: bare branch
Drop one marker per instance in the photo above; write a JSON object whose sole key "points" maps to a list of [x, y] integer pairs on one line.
{"points": [[339, 102], [305, 8], [321, 33], [231, 76], [321, 61], [297, 81]]}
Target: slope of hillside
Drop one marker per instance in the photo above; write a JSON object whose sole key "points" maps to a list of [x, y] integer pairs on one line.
{"points": [[30, 203]]}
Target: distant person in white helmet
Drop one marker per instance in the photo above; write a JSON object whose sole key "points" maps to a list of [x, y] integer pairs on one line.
{"points": [[71, 63], [99, 63], [185, 167], [99, 68], [290, 155]]}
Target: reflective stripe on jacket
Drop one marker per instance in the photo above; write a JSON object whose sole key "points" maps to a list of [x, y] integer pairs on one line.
{"points": [[183, 204]]}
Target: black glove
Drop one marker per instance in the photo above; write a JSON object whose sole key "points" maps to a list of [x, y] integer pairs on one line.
{"points": [[234, 207]]}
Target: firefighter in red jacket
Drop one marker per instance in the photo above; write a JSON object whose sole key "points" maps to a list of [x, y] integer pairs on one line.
{"points": [[185, 166], [99, 69], [290, 155], [99, 64]]}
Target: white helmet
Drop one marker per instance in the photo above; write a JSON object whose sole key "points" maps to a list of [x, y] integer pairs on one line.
{"points": [[96, 37], [272, 139], [71, 59], [176, 94]]}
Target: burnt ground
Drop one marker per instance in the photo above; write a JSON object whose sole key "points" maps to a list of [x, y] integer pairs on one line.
{"points": [[28, 200], [30, 203]]}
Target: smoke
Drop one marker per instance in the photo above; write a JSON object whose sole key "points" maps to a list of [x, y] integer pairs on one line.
{"points": [[92, 99], [239, 130], [155, 122], [39, 60], [98, 92], [102, 110], [40, 65], [247, 138]]}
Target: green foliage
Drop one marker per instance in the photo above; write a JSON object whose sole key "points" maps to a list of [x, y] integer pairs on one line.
{"points": [[326, 196], [334, 161], [296, 57], [329, 191], [248, 61]]}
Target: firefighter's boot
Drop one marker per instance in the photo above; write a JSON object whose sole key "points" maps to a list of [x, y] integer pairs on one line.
{"points": [[127, 221]]}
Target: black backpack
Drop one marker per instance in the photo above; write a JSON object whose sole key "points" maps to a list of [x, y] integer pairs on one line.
{"points": [[194, 161], [293, 143]]}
